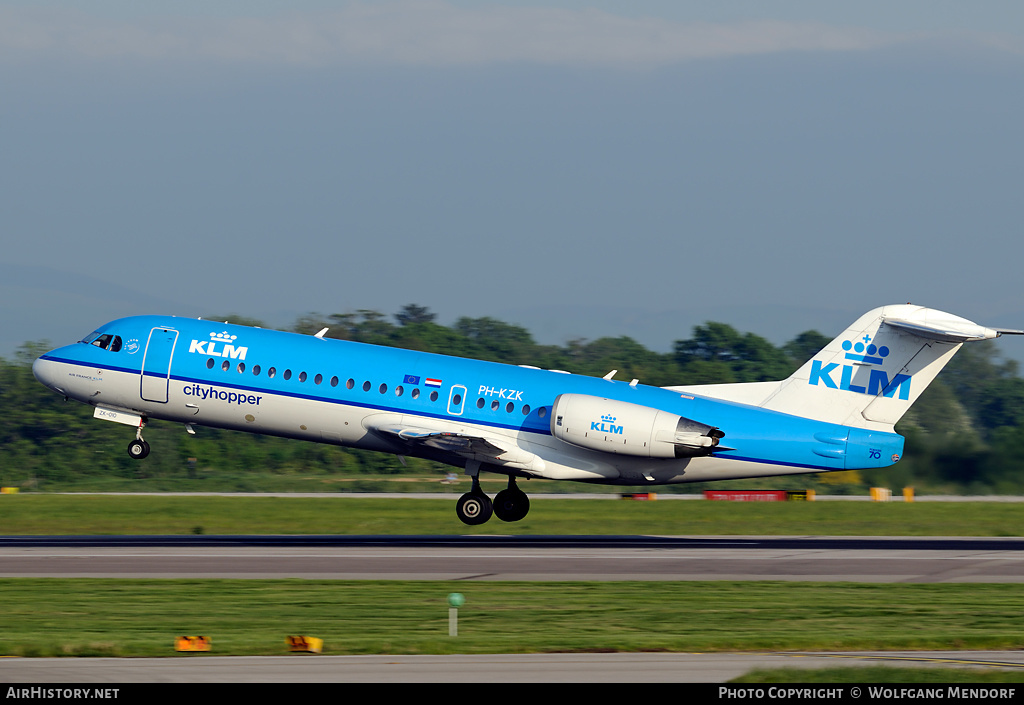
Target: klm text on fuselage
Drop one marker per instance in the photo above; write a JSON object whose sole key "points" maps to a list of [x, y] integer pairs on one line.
{"points": [[209, 347]]}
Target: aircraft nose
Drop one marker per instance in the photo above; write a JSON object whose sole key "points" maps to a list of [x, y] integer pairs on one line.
{"points": [[44, 371]]}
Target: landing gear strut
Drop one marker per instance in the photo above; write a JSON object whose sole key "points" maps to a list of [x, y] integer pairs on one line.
{"points": [[475, 507], [138, 448]]}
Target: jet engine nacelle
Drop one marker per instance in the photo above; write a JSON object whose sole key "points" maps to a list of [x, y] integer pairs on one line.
{"points": [[629, 429]]}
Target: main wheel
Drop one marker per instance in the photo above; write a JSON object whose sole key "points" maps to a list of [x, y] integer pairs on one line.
{"points": [[473, 508], [511, 505], [138, 449]]}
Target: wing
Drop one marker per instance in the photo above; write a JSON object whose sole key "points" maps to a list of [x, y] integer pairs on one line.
{"points": [[465, 443], [447, 441]]}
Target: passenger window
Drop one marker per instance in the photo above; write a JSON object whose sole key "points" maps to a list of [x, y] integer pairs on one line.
{"points": [[480, 403], [526, 409], [334, 381], [287, 374], [271, 372], [399, 391], [416, 393], [256, 369], [302, 376], [225, 365], [209, 364], [318, 379], [241, 367], [366, 386], [433, 396]]}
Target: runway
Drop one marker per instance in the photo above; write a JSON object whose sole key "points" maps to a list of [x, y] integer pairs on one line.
{"points": [[523, 558], [483, 558], [478, 668]]}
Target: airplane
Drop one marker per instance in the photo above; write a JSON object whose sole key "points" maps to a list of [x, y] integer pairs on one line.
{"points": [[837, 412]]}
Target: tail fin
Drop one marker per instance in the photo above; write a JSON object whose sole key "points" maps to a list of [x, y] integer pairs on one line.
{"points": [[870, 375]]}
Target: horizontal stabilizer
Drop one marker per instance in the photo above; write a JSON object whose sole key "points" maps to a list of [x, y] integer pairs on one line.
{"points": [[946, 328]]}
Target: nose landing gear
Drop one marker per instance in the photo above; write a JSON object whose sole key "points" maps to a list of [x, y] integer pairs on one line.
{"points": [[138, 449]]}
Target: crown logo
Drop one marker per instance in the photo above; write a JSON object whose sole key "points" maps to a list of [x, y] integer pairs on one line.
{"points": [[607, 418], [224, 337], [865, 351]]}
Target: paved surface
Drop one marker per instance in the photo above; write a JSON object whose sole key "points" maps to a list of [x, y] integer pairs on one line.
{"points": [[502, 558], [496, 668], [871, 560]]}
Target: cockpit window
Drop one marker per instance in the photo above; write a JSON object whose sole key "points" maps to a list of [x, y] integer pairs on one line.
{"points": [[91, 337], [107, 341]]}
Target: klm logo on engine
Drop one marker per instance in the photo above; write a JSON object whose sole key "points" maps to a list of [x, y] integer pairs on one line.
{"points": [[227, 349], [606, 425], [864, 354]]}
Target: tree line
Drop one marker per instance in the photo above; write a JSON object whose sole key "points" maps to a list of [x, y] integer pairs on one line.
{"points": [[964, 435]]}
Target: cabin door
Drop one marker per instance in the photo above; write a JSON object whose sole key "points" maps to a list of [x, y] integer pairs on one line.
{"points": [[156, 364]]}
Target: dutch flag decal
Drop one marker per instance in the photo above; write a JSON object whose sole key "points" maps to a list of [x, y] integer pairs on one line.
{"points": [[431, 382]]}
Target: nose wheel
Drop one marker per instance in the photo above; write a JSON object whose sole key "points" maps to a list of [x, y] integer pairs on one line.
{"points": [[138, 449]]}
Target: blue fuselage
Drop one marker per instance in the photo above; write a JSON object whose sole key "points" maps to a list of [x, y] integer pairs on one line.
{"points": [[264, 381]]}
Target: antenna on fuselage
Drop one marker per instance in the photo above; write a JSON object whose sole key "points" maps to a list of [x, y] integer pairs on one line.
{"points": [[321, 333]]}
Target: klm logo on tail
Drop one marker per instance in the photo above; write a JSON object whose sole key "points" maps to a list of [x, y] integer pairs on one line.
{"points": [[863, 354]]}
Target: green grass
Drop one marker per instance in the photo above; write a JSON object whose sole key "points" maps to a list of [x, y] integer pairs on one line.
{"points": [[41, 514], [55, 617], [82, 617]]}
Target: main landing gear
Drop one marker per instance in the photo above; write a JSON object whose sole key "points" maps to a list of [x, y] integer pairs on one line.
{"points": [[475, 507]]}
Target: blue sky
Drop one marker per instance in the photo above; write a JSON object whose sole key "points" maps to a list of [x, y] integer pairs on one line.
{"points": [[580, 168]]}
